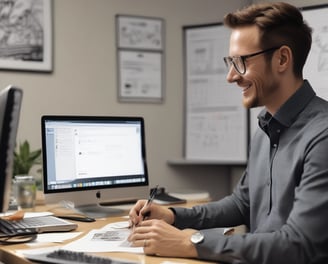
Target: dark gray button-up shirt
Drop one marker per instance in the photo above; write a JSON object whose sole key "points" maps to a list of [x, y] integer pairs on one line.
{"points": [[282, 196]]}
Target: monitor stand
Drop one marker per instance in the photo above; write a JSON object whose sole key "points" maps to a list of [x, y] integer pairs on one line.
{"points": [[102, 210], [98, 211]]}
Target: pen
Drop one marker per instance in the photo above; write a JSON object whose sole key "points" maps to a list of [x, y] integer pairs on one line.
{"points": [[150, 200]]}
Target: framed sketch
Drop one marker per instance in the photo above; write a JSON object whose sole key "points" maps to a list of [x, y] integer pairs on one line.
{"points": [[140, 76], [26, 35], [137, 32]]}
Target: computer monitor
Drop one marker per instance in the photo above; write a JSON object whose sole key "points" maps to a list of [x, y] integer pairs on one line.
{"points": [[94, 162], [10, 104]]}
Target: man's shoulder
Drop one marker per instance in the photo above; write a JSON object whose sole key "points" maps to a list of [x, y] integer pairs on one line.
{"points": [[318, 106], [315, 115]]}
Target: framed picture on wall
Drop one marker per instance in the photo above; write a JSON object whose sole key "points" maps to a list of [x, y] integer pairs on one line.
{"points": [[140, 58], [26, 35], [140, 76], [137, 32]]}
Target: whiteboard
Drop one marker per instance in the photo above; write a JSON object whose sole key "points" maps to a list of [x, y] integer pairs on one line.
{"points": [[215, 119], [316, 67]]}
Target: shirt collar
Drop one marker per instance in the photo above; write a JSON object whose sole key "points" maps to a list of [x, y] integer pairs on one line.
{"points": [[292, 107]]}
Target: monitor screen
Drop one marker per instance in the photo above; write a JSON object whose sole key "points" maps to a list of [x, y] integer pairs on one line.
{"points": [[94, 161], [10, 104]]}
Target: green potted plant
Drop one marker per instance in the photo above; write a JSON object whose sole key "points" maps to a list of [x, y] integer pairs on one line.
{"points": [[25, 159]]}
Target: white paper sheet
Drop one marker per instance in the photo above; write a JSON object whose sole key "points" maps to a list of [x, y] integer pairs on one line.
{"points": [[53, 238], [111, 238]]}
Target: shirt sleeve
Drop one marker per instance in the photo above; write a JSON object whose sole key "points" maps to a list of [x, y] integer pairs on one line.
{"points": [[302, 239], [233, 210]]}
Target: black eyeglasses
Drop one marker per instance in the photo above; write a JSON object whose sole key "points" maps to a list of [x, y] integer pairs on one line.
{"points": [[238, 62]]}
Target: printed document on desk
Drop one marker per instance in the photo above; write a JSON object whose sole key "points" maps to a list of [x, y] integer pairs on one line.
{"points": [[111, 238]]}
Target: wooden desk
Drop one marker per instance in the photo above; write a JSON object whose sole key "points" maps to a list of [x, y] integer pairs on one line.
{"points": [[9, 256]]}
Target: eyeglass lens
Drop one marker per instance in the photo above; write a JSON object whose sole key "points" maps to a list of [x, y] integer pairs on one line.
{"points": [[237, 62]]}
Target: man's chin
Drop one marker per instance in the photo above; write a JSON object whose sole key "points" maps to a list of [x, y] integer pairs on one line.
{"points": [[250, 103]]}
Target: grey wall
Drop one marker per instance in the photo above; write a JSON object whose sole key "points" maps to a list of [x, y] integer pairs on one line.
{"points": [[84, 81]]}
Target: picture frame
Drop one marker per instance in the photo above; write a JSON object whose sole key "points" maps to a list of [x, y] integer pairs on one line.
{"points": [[138, 32], [140, 76], [140, 58], [26, 37]]}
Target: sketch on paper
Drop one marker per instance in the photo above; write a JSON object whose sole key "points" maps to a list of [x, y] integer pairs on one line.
{"points": [[140, 33], [140, 75], [21, 29], [22, 33], [120, 235]]}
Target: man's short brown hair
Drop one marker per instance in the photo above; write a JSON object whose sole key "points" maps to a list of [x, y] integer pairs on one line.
{"points": [[280, 24]]}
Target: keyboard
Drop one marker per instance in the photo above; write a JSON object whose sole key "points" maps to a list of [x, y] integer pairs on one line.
{"points": [[40, 224], [71, 257], [15, 234]]}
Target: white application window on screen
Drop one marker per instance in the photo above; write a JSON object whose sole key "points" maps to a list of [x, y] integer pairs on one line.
{"points": [[107, 150], [97, 150]]}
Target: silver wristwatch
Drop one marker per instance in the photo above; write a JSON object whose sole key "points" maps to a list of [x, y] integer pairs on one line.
{"points": [[197, 237]]}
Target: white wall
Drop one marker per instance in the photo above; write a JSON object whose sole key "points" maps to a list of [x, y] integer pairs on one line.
{"points": [[84, 81]]}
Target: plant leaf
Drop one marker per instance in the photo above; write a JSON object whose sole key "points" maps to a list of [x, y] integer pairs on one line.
{"points": [[25, 159]]}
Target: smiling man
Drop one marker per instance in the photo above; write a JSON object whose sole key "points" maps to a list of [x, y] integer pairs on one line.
{"points": [[282, 196]]}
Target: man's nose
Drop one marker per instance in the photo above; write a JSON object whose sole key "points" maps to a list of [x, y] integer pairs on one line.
{"points": [[232, 75]]}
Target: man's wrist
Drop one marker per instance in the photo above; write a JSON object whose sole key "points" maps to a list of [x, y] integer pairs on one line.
{"points": [[172, 216]]}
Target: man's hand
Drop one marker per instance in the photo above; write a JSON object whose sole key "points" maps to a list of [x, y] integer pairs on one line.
{"points": [[162, 239], [142, 211]]}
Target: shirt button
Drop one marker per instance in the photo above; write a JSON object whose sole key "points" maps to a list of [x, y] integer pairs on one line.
{"points": [[278, 131], [274, 145]]}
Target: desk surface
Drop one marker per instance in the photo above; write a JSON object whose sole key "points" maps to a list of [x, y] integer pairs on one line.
{"points": [[8, 252]]}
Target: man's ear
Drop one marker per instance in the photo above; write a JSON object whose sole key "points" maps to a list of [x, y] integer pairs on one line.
{"points": [[285, 57]]}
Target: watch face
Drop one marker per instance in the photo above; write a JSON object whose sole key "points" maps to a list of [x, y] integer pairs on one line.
{"points": [[197, 237]]}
